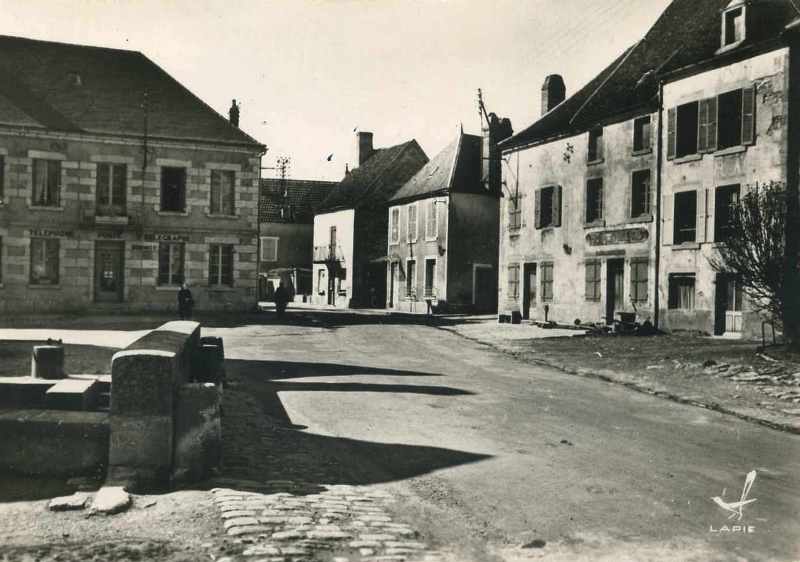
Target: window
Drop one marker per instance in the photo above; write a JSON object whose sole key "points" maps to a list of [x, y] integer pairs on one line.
{"points": [[547, 282], [220, 265], [730, 119], [411, 278], [322, 281], [513, 281], [595, 145], [395, 226], [639, 273], [173, 189], [594, 200], [44, 261], [2, 177], [713, 123], [515, 212], [222, 192], [431, 225], [269, 248], [641, 134], [170, 263], [341, 288], [640, 193], [681, 291], [685, 227], [733, 26], [548, 206], [430, 277], [46, 183], [412, 223], [726, 199], [112, 184], [332, 238], [592, 281]]}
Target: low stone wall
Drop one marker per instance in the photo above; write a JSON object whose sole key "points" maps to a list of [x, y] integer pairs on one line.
{"points": [[164, 426], [52, 442]]}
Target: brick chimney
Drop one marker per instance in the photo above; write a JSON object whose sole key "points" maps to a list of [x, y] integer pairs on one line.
{"points": [[493, 132], [233, 113], [553, 92], [364, 147]]}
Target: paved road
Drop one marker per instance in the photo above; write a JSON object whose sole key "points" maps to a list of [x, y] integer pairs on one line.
{"points": [[489, 454]]}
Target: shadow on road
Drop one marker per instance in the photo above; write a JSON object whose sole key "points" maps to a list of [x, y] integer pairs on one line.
{"points": [[260, 443]]}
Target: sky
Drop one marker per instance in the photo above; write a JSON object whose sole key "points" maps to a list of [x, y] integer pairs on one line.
{"points": [[309, 72]]}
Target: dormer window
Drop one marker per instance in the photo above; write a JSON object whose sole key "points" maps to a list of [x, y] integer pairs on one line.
{"points": [[733, 24]]}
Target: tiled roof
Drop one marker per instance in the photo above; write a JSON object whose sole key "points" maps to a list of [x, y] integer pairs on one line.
{"points": [[66, 87], [374, 182], [298, 205], [686, 33], [437, 176]]}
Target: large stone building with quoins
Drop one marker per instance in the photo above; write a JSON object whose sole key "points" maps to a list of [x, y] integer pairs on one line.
{"points": [[117, 184], [620, 194]]}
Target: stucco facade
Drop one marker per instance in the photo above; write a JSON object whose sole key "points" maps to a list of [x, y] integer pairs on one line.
{"points": [[702, 175], [72, 227], [546, 264], [333, 255]]}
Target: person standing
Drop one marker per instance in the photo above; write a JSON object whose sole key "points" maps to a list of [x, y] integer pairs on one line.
{"points": [[185, 302], [281, 299]]}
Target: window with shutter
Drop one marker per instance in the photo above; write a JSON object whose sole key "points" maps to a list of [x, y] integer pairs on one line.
{"points": [[685, 219], [640, 193], [556, 205], [44, 262], [672, 120], [46, 183], [537, 211], [748, 114], [639, 278], [594, 200], [702, 126], [592, 290], [412, 223], [112, 184], [431, 225]]}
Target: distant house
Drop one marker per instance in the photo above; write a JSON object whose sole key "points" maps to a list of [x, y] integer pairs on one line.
{"points": [[443, 230], [286, 233], [117, 184], [350, 227]]}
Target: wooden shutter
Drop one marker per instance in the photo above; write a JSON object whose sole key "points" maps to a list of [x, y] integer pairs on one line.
{"points": [[711, 125], [702, 215], [666, 219], [748, 114], [702, 126], [672, 122], [557, 205], [537, 209]]}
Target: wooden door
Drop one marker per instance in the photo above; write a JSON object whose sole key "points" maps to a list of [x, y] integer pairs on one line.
{"points": [[733, 305], [109, 278], [615, 288], [529, 290]]}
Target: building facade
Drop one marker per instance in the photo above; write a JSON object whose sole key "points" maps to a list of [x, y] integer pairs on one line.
{"points": [[621, 192], [442, 233], [350, 227], [286, 234], [118, 185]]}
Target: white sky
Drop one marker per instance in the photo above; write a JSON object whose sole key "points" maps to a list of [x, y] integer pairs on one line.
{"points": [[308, 72]]}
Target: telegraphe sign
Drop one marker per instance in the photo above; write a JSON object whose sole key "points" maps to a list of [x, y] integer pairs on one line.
{"points": [[624, 236], [166, 237], [112, 234]]}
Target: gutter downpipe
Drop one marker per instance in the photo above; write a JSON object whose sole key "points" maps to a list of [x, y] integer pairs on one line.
{"points": [[659, 170]]}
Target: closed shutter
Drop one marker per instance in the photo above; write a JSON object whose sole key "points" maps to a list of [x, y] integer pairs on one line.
{"points": [[666, 219], [711, 125], [702, 204], [702, 126], [672, 122], [748, 114], [557, 205], [537, 210]]}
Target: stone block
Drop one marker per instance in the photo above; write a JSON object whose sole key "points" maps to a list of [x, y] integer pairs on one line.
{"points": [[143, 444], [72, 394], [47, 362], [143, 382], [198, 431], [111, 499]]}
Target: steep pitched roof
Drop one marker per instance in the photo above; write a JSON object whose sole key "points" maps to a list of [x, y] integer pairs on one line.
{"points": [[375, 181], [686, 33], [66, 87], [298, 205], [457, 166]]}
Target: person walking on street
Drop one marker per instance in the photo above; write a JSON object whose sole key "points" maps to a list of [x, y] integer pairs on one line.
{"points": [[281, 299], [185, 302]]}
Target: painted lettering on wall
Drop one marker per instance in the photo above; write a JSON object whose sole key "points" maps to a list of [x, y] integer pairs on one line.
{"points": [[46, 233], [158, 237], [624, 236]]}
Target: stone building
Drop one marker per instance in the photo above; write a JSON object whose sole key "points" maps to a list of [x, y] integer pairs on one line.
{"points": [[350, 227], [117, 184], [286, 233], [617, 184], [443, 224]]}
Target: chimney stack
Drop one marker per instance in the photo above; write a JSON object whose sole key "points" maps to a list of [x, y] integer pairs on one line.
{"points": [[365, 149], [233, 113], [493, 131], [553, 92]]}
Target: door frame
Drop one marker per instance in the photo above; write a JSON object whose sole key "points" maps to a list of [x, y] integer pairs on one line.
{"points": [[527, 268], [119, 245], [614, 266]]}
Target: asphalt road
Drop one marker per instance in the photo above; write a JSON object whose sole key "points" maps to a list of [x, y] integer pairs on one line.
{"points": [[496, 459]]}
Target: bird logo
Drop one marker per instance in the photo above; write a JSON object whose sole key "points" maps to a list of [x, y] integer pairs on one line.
{"points": [[735, 508]]}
